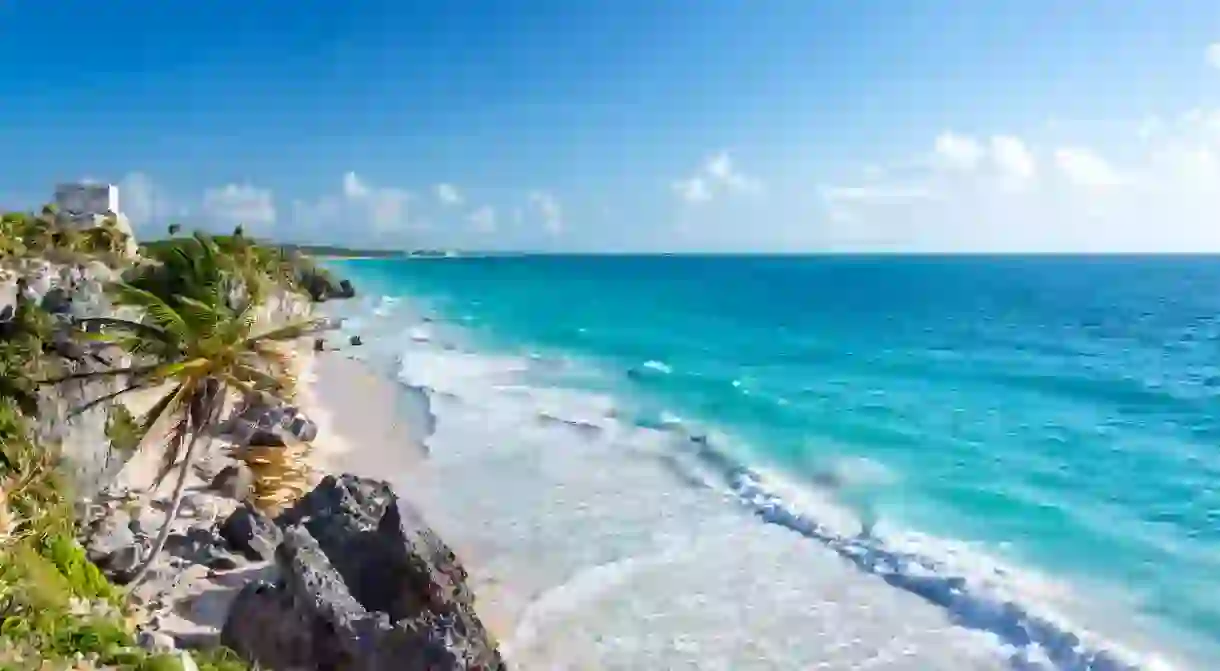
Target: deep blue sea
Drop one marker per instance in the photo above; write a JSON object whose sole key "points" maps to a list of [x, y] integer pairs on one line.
{"points": [[863, 462]]}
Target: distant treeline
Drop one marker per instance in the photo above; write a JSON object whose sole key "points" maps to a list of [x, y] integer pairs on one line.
{"points": [[308, 250]]}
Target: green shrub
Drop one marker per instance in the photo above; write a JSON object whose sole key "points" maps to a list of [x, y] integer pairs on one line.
{"points": [[56, 607], [122, 430]]}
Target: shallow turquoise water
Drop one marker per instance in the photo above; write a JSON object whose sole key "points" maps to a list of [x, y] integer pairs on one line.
{"points": [[1061, 413]]}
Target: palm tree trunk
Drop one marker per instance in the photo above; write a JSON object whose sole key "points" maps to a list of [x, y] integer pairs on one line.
{"points": [[175, 505], [202, 412]]}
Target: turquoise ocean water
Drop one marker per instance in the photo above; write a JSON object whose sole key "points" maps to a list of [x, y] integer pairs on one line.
{"points": [[1027, 450]]}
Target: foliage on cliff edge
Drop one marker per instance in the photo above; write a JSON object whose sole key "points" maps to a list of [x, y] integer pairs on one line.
{"points": [[57, 610]]}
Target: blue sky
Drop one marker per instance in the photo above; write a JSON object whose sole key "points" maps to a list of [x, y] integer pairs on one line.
{"points": [[631, 124]]}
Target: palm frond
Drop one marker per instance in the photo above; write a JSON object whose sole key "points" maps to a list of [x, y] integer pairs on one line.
{"points": [[174, 403], [148, 330], [173, 447], [274, 381], [163, 314], [99, 374], [204, 316], [287, 332], [166, 404], [245, 388], [80, 410]]}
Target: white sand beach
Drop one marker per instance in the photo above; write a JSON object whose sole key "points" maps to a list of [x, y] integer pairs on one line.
{"points": [[359, 427], [362, 430]]}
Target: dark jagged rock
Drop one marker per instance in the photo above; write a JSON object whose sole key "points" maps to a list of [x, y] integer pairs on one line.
{"points": [[109, 536], [269, 438], [202, 547], [303, 428], [57, 301], [235, 481], [321, 286], [271, 425], [250, 532], [68, 348], [365, 585]]}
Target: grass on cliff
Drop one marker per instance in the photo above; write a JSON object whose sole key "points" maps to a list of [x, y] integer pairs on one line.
{"points": [[43, 234], [198, 342], [259, 265], [57, 610]]}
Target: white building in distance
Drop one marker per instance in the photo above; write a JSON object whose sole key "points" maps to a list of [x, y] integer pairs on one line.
{"points": [[78, 200], [85, 205]]}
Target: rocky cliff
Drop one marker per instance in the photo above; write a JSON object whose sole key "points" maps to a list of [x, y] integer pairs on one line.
{"points": [[71, 291], [364, 584], [350, 577]]}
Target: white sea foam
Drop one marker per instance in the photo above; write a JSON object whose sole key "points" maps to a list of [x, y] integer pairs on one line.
{"points": [[385, 305], [658, 366], [624, 546]]}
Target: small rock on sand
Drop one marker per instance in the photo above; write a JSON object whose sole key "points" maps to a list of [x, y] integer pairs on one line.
{"points": [[251, 533], [235, 481]]}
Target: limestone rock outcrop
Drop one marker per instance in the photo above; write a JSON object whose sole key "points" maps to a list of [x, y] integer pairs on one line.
{"points": [[365, 585]]}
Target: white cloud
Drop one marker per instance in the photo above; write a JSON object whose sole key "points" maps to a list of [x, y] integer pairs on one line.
{"points": [[448, 194], [1086, 168], [484, 219], [1007, 155], [1012, 157], [360, 213], [720, 169], [240, 204], [385, 208], [352, 186], [144, 203], [958, 151], [855, 194], [549, 209], [150, 207], [693, 190], [1163, 195], [717, 175], [1212, 54]]}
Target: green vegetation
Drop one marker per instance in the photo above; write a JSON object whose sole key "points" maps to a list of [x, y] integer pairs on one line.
{"points": [[122, 430], [45, 234], [55, 607], [259, 265], [292, 249], [197, 344]]}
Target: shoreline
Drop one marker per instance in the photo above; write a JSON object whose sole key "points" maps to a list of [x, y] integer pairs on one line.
{"points": [[361, 430], [519, 512]]}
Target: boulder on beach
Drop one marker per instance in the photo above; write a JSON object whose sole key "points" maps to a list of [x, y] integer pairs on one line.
{"points": [[364, 585], [271, 424], [249, 532], [321, 285]]}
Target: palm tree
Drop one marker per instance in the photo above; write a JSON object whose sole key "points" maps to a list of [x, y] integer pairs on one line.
{"points": [[201, 351], [195, 267]]}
